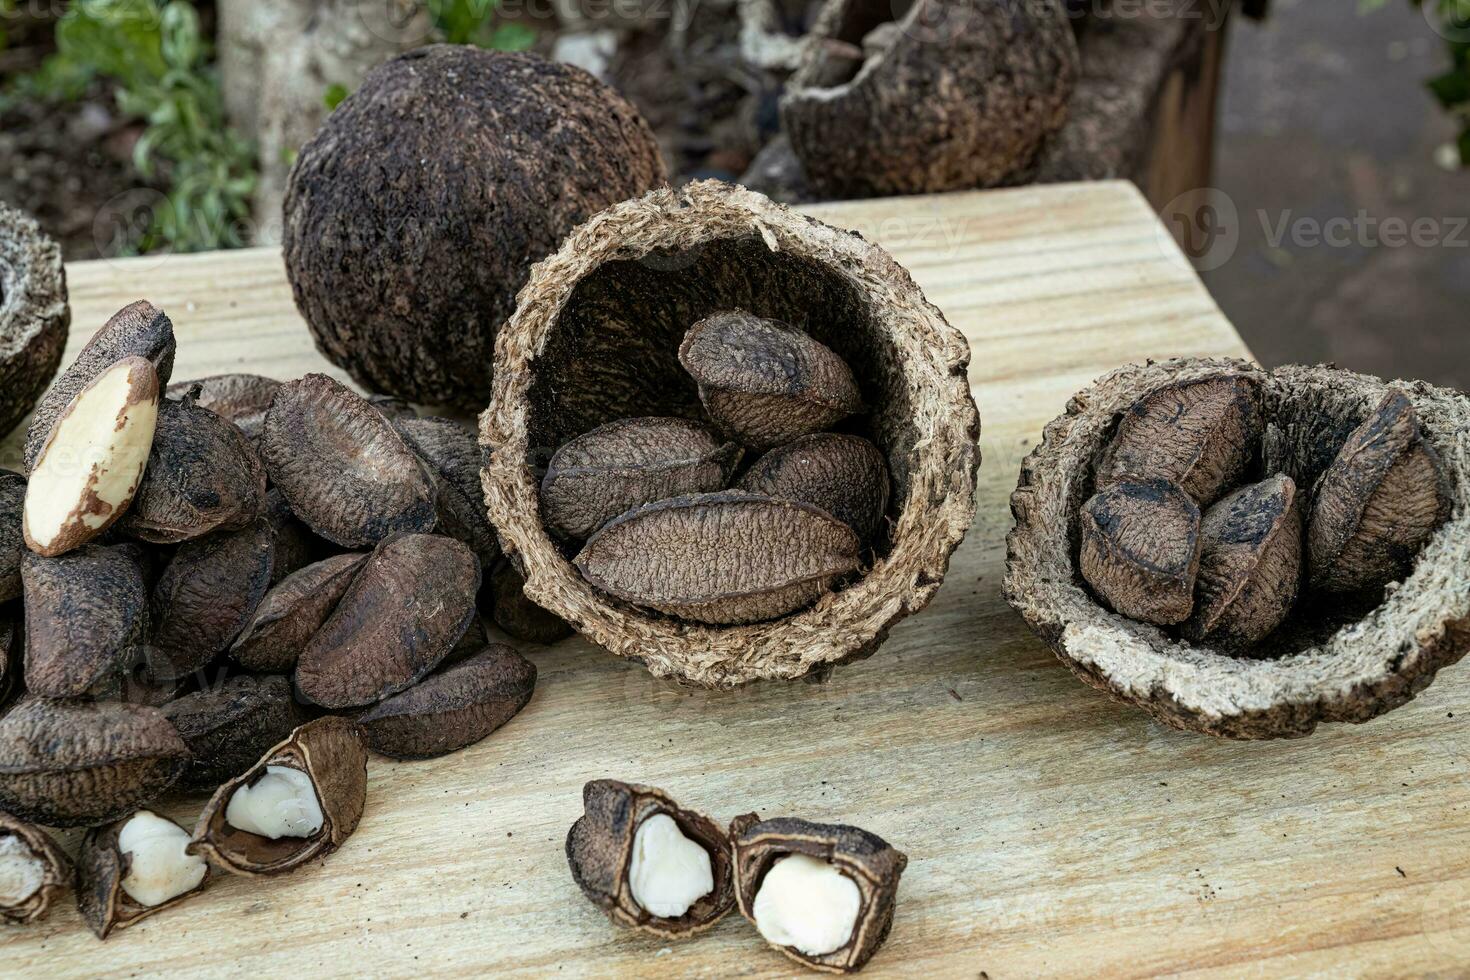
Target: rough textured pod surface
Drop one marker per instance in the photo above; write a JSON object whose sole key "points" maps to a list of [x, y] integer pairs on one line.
{"points": [[330, 751], [241, 398], [227, 727], [844, 475], [20, 841], [208, 594], [600, 852], [86, 615], [101, 868], [12, 539], [1141, 548], [1328, 671], [949, 94], [596, 338], [34, 315], [867, 859], [539, 147]]}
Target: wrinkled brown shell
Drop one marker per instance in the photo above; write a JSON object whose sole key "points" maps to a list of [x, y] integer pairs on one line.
{"points": [[628, 463], [12, 538], [209, 592], [964, 93], [1330, 672], [404, 611], [229, 726], [341, 466], [844, 475], [292, 612], [101, 869], [379, 196], [86, 615], [867, 859], [58, 876], [518, 616], [452, 454], [596, 338], [34, 315], [1141, 549], [296, 546], [137, 330], [452, 709], [241, 398], [330, 750], [77, 764], [11, 643], [600, 852]]}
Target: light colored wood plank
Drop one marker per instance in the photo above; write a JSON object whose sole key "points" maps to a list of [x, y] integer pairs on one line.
{"points": [[1051, 832]]}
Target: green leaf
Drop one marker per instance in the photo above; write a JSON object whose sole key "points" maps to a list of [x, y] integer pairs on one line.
{"points": [[511, 37], [334, 95], [1463, 144], [1451, 89]]}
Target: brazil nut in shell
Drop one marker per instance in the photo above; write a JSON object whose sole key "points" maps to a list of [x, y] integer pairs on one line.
{"points": [[39, 866]]}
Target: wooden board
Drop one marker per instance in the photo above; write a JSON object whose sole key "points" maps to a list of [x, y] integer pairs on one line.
{"points": [[1051, 832]]}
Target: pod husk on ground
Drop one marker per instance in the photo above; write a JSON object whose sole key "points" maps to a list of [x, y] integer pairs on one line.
{"points": [[101, 868], [34, 315], [12, 538], [78, 764], [86, 617], [57, 873], [227, 727], [452, 454], [241, 398], [208, 594], [330, 750], [453, 708], [867, 859], [844, 475], [951, 94], [600, 852], [518, 616], [292, 612], [596, 338], [1330, 666]]}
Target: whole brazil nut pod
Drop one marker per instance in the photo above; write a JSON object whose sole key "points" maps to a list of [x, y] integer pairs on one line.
{"points": [[596, 338], [34, 871], [452, 454], [133, 868], [649, 863], [227, 727], [298, 803], [1330, 660], [34, 315], [823, 894], [844, 475], [292, 612], [86, 617]]}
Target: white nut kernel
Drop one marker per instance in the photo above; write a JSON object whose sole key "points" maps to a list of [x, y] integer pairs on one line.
{"points": [[22, 872], [669, 872], [808, 904], [158, 866], [282, 803]]}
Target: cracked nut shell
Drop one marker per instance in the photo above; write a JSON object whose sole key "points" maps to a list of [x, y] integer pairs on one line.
{"points": [[56, 870], [101, 868], [228, 727], [86, 618], [34, 315], [1141, 549], [292, 612], [844, 475]]}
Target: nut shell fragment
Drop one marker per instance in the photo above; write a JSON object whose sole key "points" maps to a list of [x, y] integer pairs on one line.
{"points": [[844, 475], [86, 618], [22, 841], [241, 398], [208, 594], [228, 727], [518, 615], [330, 751], [292, 612], [452, 454], [12, 538], [1141, 549], [102, 868]]}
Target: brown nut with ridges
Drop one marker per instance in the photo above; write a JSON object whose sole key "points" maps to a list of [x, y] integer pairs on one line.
{"points": [[1141, 549], [34, 315], [292, 612], [451, 451], [794, 911], [622, 878], [34, 871], [133, 868], [321, 771], [519, 616], [12, 538], [11, 643], [228, 727], [296, 546], [242, 398], [209, 592], [844, 475]]}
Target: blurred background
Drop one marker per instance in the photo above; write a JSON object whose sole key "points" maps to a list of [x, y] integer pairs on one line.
{"points": [[1329, 134]]}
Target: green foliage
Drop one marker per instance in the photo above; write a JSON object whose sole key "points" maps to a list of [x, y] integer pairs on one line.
{"points": [[1452, 88], [476, 22], [334, 95]]}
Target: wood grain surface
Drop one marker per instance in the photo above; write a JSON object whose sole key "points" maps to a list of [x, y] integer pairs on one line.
{"points": [[1050, 831]]}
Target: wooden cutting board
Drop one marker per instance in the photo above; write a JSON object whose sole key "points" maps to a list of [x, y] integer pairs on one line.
{"points": [[1050, 831]]}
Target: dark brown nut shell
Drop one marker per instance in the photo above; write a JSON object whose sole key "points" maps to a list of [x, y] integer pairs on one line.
{"points": [[34, 315], [600, 853], [728, 557], [452, 453], [844, 475], [453, 708], [341, 466], [12, 537], [209, 592], [11, 652], [228, 727], [292, 612], [629, 463], [331, 752], [86, 617], [764, 381], [403, 613], [872, 864], [296, 546], [56, 877], [77, 764], [241, 398], [956, 94], [519, 616], [202, 476], [392, 407], [1250, 566], [1141, 549], [137, 330], [101, 869], [1377, 503]]}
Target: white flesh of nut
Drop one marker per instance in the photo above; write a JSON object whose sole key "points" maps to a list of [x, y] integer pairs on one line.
{"points": [[93, 459], [282, 803], [669, 872], [808, 904], [22, 872], [159, 868]]}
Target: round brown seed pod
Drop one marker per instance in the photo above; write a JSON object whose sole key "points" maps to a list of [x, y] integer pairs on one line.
{"points": [[241, 398], [1250, 567], [292, 612], [1377, 503], [628, 463], [452, 709], [86, 617], [48, 871], [403, 613], [519, 616], [955, 94], [865, 859], [1141, 549], [34, 315], [330, 752], [228, 727], [137, 330], [844, 475], [764, 381], [1331, 664], [12, 537], [600, 848], [596, 338], [452, 454], [341, 466], [481, 208], [102, 869], [77, 764]]}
